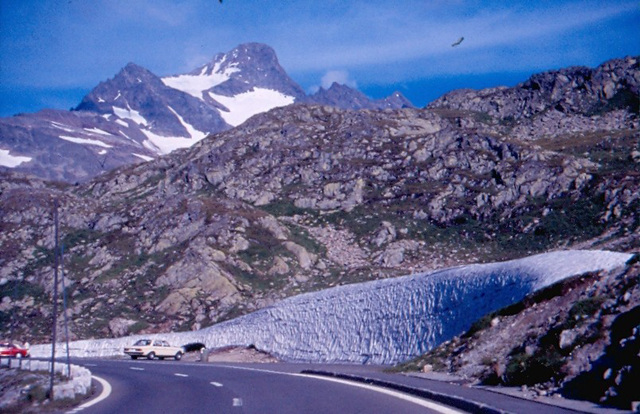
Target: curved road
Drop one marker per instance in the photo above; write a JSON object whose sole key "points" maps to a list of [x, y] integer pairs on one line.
{"points": [[184, 387]]}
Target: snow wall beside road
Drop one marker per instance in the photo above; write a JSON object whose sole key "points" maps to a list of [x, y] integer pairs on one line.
{"points": [[384, 321]]}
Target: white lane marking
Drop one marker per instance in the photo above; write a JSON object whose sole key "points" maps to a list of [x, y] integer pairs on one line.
{"points": [[237, 402], [181, 375], [216, 384], [106, 391], [90, 365], [136, 368], [419, 401], [268, 371]]}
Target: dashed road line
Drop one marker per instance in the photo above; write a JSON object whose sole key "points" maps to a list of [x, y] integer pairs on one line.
{"points": [[180, 375], [237, 402], [216, 384], [136, 368]]}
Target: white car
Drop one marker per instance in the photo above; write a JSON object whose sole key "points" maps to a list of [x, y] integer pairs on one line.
{"points": [[153, 348]]}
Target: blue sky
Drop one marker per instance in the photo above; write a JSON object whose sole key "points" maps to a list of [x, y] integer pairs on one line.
{"points": [[53, 52]]}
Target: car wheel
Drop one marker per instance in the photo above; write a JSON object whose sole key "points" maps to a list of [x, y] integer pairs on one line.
{"points": [[151, 355], [134, 357], [178, 356], [161, 358]]}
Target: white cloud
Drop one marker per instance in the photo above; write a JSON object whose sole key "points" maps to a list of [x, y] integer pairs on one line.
{"points": [[337, 76]]}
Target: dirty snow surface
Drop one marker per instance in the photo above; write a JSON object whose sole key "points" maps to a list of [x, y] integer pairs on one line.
{"points": [[382, 322]]}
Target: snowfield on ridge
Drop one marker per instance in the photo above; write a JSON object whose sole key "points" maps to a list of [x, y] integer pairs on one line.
{"points": [[383, 321]]}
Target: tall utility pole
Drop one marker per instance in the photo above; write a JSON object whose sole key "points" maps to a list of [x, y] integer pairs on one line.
{"points": [[55, 297], [64, 309]]}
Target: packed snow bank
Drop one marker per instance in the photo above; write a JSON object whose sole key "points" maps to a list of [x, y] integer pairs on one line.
{"points": [[11, 161], [384, 321]]}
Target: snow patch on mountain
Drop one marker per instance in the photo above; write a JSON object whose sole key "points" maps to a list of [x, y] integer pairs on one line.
{"points": [[383, 321], [143, 157], [193, 133], [11, 161], [131, 114], [196, 85], [85, 141], [65, 128], [245, 105], [161, 144], [98, 131], [164, 145]]}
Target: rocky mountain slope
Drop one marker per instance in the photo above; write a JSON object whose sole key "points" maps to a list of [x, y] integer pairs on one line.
{"points": [[579, 338], [136, 115], [305, 197]]}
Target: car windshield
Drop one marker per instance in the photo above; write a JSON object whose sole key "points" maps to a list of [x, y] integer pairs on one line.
{"points": [[143, 342]]}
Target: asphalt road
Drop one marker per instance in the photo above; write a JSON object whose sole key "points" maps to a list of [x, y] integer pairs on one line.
{"points": [[184, 387]]}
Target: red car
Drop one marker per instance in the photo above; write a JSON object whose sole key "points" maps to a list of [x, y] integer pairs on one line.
{"points": [[8, 349]]}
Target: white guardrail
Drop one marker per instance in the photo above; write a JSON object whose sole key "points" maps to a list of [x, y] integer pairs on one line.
{"points": [[79, 379]]}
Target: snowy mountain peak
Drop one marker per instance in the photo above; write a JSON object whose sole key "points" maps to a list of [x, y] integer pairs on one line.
{"points": [[241, 70], [131, 70], [252, 56], [122, 90], [240, 83], [158, 115]]}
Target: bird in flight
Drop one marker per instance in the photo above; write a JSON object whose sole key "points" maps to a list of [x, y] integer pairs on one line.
{"points": [[457, 42]]}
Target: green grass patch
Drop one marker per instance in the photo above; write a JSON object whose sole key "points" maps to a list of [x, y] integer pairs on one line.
{"points": [[437, 358], [263, 247], [566, 220], [258, 281], [75, 237], [138, 326], [623, 99], [524, 369], [300, 236], [584, 308], [16, 290], [285, 207]]}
